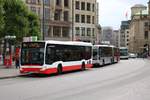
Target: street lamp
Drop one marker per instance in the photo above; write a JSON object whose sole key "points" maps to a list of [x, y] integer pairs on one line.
{"points": [[43, 20], [72, 20]]}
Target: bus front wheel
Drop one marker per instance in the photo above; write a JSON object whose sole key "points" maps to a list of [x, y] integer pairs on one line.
{"points": [[83, 66]]}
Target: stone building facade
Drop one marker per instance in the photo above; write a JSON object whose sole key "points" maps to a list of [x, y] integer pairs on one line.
{"points": [[67, 19], [140, 31]]}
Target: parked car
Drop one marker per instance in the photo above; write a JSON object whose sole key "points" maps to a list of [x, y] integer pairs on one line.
{"points": [[132, 55]]}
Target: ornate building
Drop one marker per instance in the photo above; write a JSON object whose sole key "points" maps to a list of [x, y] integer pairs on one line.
{"points": [[140, 29]]}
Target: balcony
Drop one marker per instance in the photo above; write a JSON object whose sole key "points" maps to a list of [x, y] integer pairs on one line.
{"points": [[60, 23], [58, 7]]}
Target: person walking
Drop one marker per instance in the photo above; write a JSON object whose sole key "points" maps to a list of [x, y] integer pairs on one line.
{"points": [[17, 61]]}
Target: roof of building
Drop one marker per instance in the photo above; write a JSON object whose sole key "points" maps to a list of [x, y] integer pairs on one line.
{"points": [[139, 6]]}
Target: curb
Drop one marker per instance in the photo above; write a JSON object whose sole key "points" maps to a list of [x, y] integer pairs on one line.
{"points": [[7, 77]]}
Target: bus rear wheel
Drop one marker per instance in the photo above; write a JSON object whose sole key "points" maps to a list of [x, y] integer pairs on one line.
{"points": [[59, 69]]}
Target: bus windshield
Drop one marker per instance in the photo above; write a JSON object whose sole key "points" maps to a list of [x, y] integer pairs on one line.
{"points": [[123, 52], [32, 53]]}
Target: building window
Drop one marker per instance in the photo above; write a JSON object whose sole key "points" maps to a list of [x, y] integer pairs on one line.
{"points": [[47, 13], [88, 19], [58, 2], [66, 16], [93, 20], [93, 32], [146, 35], [56, 31], [88, 31], [77, 31], [65, 32], [146, 24], [66, 3], [39, 1], [82, 5], [144, 16], [33, 1], [77, 18], [88, 7], [47, 2], [33, 9], [77, 5], [57, 15], [39, 12], [27, 1], [93, 7], [82, 18], [49, 32], [83, 31]]}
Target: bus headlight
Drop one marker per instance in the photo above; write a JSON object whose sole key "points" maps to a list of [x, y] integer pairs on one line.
{"points": [[21, 69], [42, 69]]}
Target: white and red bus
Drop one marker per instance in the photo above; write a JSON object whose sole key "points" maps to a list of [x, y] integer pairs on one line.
{"points": [[105, 54], [48, 57], [124, 53]]}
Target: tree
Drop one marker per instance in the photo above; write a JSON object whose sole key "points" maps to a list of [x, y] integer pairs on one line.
{"points": [[1, 17], [16, 22], [34, 25], [19, 21]]}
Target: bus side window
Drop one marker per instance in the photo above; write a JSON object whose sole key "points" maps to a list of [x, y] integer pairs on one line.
{"points": [[50, 55]]}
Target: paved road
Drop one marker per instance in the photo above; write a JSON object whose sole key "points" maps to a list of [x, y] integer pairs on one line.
{"points": [[127, 80]]}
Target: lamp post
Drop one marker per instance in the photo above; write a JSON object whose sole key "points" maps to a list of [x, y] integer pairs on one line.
{"points": [[73, 20], [43, 20]]}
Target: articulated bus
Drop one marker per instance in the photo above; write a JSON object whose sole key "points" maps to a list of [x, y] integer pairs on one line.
{"points": [[47, 57], [105, 54], [124, 53]]}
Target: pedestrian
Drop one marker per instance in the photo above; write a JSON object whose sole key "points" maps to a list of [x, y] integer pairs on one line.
{"points": [[17, 61]]}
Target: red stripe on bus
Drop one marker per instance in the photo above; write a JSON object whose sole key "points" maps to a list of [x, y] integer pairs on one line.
{"points": [[39, 70], [75, 67], [89, 65], [49, 71], [52, 70], [71, 68]]}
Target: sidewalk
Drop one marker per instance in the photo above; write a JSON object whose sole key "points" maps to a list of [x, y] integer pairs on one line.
{"points": [[8, 72]]}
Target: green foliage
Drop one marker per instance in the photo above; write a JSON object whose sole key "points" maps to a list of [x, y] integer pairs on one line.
{"points": [[19, 21], [1, 17], [16, 22], [34, 25]]}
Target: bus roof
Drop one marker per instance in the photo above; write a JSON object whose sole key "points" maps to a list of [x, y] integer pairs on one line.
{"points": [[104, 46], [67, 42], [123, 48]]}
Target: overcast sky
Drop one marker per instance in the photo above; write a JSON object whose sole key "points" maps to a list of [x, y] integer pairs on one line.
{"points": [[112, 12]]}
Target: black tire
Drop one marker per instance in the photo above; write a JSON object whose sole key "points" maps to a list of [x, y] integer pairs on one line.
{"points": [[112, 61], [103, 62], [83, 66], [59, 69]]}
